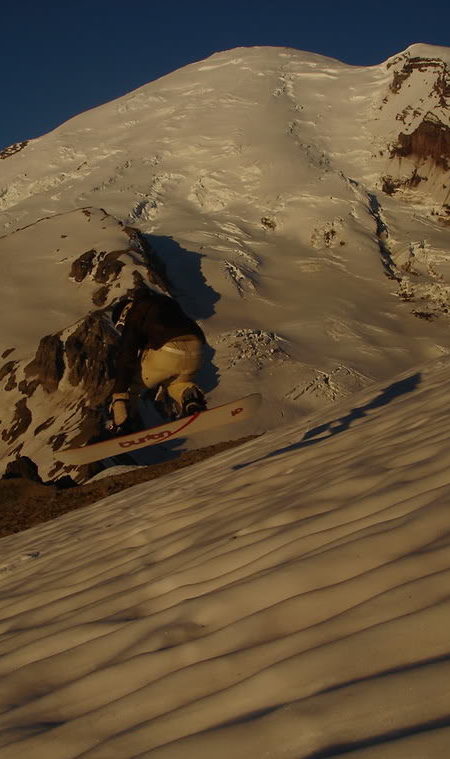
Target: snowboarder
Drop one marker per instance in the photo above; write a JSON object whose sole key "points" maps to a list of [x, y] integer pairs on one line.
{"points": [[160, 339]]}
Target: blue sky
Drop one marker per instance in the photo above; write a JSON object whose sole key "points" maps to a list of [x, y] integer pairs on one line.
{"points": [[58, 59]]}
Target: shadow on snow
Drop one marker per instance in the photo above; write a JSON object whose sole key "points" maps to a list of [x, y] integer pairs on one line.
{"points": [[190, 288], [336, 426]]}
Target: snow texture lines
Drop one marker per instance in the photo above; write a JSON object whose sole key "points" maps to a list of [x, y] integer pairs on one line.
{"points": [[207, 617]]}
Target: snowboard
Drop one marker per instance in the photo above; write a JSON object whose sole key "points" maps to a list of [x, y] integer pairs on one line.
{"points": [[227, 413]]}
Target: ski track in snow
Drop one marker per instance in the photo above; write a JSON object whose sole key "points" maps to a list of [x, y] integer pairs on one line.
{"points": [[289, 598]]}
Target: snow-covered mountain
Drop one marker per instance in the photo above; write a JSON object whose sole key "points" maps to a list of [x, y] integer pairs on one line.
{"points": [[297, 206], [287, 598]]}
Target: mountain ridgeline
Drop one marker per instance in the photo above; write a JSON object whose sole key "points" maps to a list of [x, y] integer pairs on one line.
{"points": [[298, 207]]}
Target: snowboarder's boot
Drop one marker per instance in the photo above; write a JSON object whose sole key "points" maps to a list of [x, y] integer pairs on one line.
{"points": [[193, 401]]}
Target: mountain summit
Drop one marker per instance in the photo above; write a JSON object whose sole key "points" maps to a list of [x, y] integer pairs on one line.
{"points": [[298, 207]]}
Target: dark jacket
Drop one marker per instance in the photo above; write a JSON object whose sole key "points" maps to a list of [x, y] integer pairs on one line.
{"points": [[152, 321]]}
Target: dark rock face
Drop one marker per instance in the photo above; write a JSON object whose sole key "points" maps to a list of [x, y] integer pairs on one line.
{"points": [[24, 468], [431, 139], [21, 422], [391, 185], [45, 425], [11, 384], [89, 355], [442, 83], [100, 296], [48, 364], [83, 265], [105, 268], [108, 270], [109, 267], [7, 368], [28, 387], [57, 441], [83, 355], [14, 148]]}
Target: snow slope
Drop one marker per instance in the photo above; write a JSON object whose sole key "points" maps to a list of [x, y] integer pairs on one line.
{"points": [[299, 205], [287, 598]]}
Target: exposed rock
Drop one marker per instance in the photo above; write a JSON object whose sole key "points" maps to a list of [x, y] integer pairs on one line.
{"points": [[57, 441], [45, 425], [328, 234], [21, 421], [80, 474], [26, 504], [11, 384], [24, 468], [427, 315], [407, 112], [107, 272], [442, 87], [89, 355], [328, 386], [254, 345], [100, 296], [442, 84], [81, 355], [28, 387], [7, 369], [382, 233], [90, 424], [138, 280], [431, 139], [241, 277], [390, 185], [268, 223], [48, 364], [17, 450], [14, 148], [83, 265], [109, 267]]}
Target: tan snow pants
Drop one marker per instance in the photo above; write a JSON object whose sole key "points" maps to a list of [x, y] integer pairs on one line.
{"points": [[174, 365]]}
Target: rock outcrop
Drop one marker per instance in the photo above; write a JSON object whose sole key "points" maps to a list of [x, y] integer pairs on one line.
{"points": [[53, 393], [430, 140], [420, 153], [48, 365]]}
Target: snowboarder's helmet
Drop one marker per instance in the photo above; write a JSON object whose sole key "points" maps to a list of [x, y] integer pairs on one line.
{"points": [[119, 313]]}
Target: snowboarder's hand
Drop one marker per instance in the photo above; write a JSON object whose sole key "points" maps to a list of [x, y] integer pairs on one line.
{"points": [[119, 408]]}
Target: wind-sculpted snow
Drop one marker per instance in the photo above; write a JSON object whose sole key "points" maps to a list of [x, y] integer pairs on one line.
{"points": [[288, 598]]}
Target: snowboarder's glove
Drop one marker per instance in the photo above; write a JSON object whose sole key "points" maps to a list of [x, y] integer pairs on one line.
{"points": [[119, 408]]}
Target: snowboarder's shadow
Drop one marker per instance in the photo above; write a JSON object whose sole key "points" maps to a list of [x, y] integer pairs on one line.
{"points": [[190, 288], [336, 426]]}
